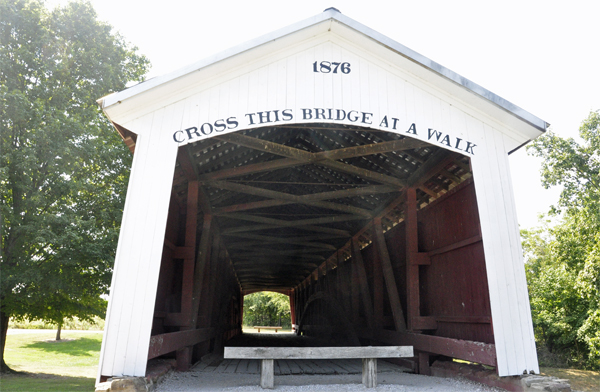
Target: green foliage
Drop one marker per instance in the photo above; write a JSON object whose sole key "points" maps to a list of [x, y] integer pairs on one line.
{"points": [[64, 170], [563, 261], [267, 309], [97, 324], [574, 166]]}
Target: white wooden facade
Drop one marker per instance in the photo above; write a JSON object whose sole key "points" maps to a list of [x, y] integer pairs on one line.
{"points": [[271, 81]]}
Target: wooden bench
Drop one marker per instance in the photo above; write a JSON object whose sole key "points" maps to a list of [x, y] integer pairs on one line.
{"points": [[368, 355], [275, 328]]}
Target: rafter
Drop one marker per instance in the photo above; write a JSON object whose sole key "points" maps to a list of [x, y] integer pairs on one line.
{"points": [[251, 190], [308, 157]]}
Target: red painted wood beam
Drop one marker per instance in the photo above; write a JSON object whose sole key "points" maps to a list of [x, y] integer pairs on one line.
{"points": [[468, 350], [169, 342], [388, 274]]}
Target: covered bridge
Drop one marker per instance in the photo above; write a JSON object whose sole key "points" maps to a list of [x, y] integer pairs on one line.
{"points": [[332, 164]]}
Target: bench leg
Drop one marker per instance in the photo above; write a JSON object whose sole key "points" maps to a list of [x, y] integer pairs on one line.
{"points": [[369, 372], [267, 376]]}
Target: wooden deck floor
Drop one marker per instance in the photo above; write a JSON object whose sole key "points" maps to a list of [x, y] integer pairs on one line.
{"points": [[217, 364], [287, 367]]}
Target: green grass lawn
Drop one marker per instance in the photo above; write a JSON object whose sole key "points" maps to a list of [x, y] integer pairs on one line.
{"points": [[581, 380], [47, 365]]}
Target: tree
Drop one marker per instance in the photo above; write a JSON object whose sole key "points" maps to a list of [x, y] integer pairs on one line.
{"points": [[268, 309], [63, 169], [563, 262]]}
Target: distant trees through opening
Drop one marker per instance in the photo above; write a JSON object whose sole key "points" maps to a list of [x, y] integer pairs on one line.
{"points": [[267, 308]]}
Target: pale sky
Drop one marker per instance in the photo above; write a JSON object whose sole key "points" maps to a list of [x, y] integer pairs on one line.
{"points": [[540, 55]]}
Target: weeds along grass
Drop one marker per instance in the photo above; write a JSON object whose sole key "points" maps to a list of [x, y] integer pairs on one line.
{"points": [[47, 365]]}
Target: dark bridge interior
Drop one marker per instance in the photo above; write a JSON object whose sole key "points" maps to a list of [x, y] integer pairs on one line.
{"points": [[374, 236]]}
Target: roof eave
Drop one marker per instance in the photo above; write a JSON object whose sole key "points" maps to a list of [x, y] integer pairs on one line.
{"points": [[332, 14]]}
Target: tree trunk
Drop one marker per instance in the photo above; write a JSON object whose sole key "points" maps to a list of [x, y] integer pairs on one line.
{"points": [[58, 331], [3, 330]]}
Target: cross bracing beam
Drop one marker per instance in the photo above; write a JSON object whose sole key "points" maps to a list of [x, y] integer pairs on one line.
{"points": [[319, 186], [308, 157], [314, 201], [280, 198]]}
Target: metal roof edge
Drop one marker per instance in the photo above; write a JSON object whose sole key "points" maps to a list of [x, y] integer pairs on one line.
{"points": [[332, 13], [113, 98], [445, 72]]}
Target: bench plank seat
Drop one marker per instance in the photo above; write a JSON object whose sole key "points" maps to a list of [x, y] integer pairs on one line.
{"points": [[318, 352], [268, 355]]}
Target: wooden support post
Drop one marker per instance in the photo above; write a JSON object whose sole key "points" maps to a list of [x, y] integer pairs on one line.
{"points": [[184, 355], [201, 261], [184, 359], [339, 279], [216, 284], [362, 280], [378, 287], [412, 268], [267, 374], [354, 286], [190, 241], [388, 274], [292, 297], [424, 364], [369, 372]]}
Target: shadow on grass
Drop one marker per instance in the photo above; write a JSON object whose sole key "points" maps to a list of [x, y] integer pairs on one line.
{"points": [[34, 382], [77, 347]]}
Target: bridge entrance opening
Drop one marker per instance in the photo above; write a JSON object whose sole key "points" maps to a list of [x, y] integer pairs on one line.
{"points": [[374, 237]]}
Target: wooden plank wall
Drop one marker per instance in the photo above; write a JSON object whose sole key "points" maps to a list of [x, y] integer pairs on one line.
{"points": [[137, 262]]}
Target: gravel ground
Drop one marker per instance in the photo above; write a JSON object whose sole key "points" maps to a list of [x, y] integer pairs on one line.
{"points": [[396, 381]]}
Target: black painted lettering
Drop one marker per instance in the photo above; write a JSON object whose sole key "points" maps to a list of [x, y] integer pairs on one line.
{"points": [[470, 147], [264, 117], [193, 130], [249, 115], [206, 128], [446, 140], [287, 115], [330, 111], [395, 122], [276, 112], [340, 115], [319, 113], [412, 129], [353, 118], [176, 139], [220, 125], [366, 118], [458, 140], [232, 123], [384, 122], [434, 133], [307, 114]]}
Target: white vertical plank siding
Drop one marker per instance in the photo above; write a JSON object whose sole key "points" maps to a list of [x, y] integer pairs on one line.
{"points": [[290, 78], [337, 100], [126, 261], [117, 298], [527, 339], [482, 175], [515, 347], [137, 263], [152, 244]]}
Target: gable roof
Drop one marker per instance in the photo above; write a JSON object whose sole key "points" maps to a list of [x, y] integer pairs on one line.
{"points": [[333, 21]]}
